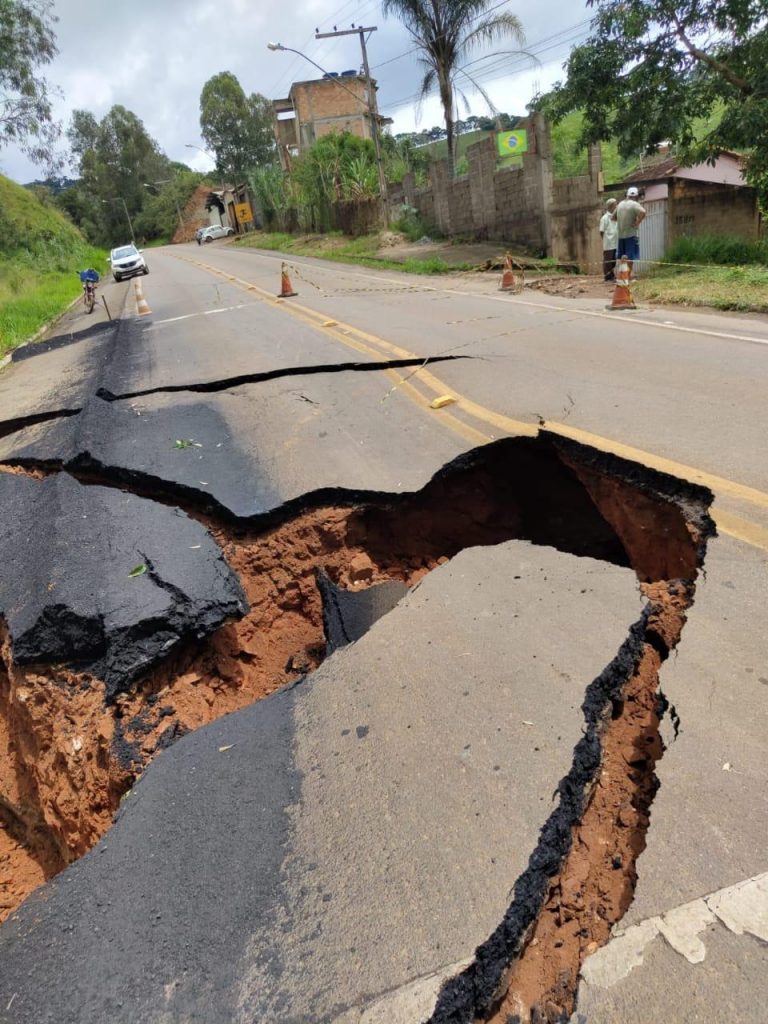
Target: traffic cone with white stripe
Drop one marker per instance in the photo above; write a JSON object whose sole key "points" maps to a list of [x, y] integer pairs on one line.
{"points": [[286, 288], [507, 283], [142, 306], [622, 294]]}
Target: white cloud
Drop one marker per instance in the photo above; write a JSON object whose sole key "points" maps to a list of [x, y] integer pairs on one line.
{"points": [[153, 56]]}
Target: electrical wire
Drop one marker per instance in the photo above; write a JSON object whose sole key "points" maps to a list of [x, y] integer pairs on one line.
{"points": [[414, 49], [511, 68], [287, 73]]}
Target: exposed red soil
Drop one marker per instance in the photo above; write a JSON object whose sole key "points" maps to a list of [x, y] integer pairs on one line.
{"points": [[67, 756], [597, 881], [194, 215], [74, 755]]}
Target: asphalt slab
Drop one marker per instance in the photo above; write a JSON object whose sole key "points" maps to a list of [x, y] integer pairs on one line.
{"points": [[267, 866], [105, 582]]}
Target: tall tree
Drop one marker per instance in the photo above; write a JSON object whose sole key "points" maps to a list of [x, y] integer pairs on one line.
{"points": [[693, 72], [115, 157], [27, 42], [238, 128], [446, 33]]}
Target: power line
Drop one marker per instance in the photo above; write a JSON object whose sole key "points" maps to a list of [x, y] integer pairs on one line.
{"points": [[486, 74], [415, 49], [296, 61]]}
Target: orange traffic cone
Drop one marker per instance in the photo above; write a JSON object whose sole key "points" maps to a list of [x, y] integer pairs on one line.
{"points": [[142, 306], [286, 288], [507, 283], [622, 295]]}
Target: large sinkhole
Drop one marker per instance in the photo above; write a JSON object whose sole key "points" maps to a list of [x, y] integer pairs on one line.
{"points": [[87, 702]]}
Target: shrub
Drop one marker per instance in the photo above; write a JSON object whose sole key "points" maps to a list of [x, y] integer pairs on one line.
{"points": [[725, 250], [409, 223]]}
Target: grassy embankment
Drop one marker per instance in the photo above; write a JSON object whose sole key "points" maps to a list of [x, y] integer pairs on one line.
{"points": [[40, 250], [716, 271], [342, 249]]}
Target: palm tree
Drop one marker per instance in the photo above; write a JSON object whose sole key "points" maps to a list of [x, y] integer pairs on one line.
{"points": [[446, 32]]}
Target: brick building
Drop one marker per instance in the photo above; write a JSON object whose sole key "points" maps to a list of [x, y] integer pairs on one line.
{"points": [[334, 103], [706, 199]]}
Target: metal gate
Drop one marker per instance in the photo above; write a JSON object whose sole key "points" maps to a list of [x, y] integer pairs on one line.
{"points": [[653, 235]]}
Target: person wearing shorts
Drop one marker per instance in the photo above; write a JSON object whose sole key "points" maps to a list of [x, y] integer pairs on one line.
{"points": [[629, 216]]}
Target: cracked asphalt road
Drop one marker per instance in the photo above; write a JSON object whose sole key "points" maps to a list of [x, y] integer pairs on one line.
{"points": [[141, 945]]}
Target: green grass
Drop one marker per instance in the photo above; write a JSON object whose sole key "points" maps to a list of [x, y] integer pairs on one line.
{"points": [[570, 160], [744, 289], [733, 274], [720, 249], [339, 249], [40, 250], [439, 150]]}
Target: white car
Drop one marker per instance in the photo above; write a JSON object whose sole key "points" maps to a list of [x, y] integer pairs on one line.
{"points": [[215, 231], [126, 261]]}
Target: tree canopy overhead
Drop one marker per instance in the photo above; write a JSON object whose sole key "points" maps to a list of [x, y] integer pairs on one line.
{"points": [[446, 33], [238, 128], [27, 43], [691, 72]]}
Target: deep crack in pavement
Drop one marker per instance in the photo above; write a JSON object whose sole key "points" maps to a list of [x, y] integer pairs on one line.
{"points": [[547, 490], [95, 686]]}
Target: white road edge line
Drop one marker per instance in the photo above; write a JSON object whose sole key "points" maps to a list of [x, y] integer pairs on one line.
{"points": [[629, 317], [741, 908]]}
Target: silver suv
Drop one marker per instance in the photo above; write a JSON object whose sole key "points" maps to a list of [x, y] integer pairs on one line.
{"points": [[126, 261], [215, 231]]}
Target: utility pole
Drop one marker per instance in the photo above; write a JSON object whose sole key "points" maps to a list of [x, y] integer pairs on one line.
{"points": [[167, 181], [372, 111], [128, 216]]}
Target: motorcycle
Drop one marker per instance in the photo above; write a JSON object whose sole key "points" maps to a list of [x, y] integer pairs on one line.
{"points": [[90, 279]]}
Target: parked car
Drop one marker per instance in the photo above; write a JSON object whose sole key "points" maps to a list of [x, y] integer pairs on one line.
{"points": [[215, 231], [126, 261]]}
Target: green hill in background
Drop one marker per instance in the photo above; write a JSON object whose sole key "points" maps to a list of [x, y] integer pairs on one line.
{"points": [[40, 250], [569, 160]]}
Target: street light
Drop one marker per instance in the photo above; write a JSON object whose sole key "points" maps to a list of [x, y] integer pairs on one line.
{"points": [[128, 216], [205, 152], [288, 49], [166, 181]]}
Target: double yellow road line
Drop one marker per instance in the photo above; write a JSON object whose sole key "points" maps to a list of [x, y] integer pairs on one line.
{"points": [[422, 386]]}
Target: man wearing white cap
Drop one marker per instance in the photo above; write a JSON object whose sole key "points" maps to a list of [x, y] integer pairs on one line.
{"points": [[629, 215]]}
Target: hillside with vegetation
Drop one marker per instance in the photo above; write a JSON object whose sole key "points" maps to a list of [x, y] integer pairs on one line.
{"points": [[40, 251], [569, 157]]}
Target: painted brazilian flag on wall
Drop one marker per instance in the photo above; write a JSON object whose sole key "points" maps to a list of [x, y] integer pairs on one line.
{"points": [[512, 143]]}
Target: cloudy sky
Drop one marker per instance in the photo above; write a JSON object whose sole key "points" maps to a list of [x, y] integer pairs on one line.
{"points": [[153, 56]]}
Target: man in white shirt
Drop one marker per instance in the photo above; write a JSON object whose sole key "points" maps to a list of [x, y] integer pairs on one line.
{"points": [[609, 232], [629, 214]]}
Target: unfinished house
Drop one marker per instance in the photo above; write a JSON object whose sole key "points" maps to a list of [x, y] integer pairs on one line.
{"points": [[706, 199], [333, 103]]}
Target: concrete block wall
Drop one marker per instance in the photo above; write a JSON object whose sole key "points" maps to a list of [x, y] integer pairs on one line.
{"points": [[522, 205], [576, 210], [708, 208]]}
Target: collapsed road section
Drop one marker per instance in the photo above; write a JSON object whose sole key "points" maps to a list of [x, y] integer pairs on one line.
{"points": [[100, 729]]}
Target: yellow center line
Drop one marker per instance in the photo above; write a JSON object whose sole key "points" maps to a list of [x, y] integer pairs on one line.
{"points": [[741, 529], [371, 344]]}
